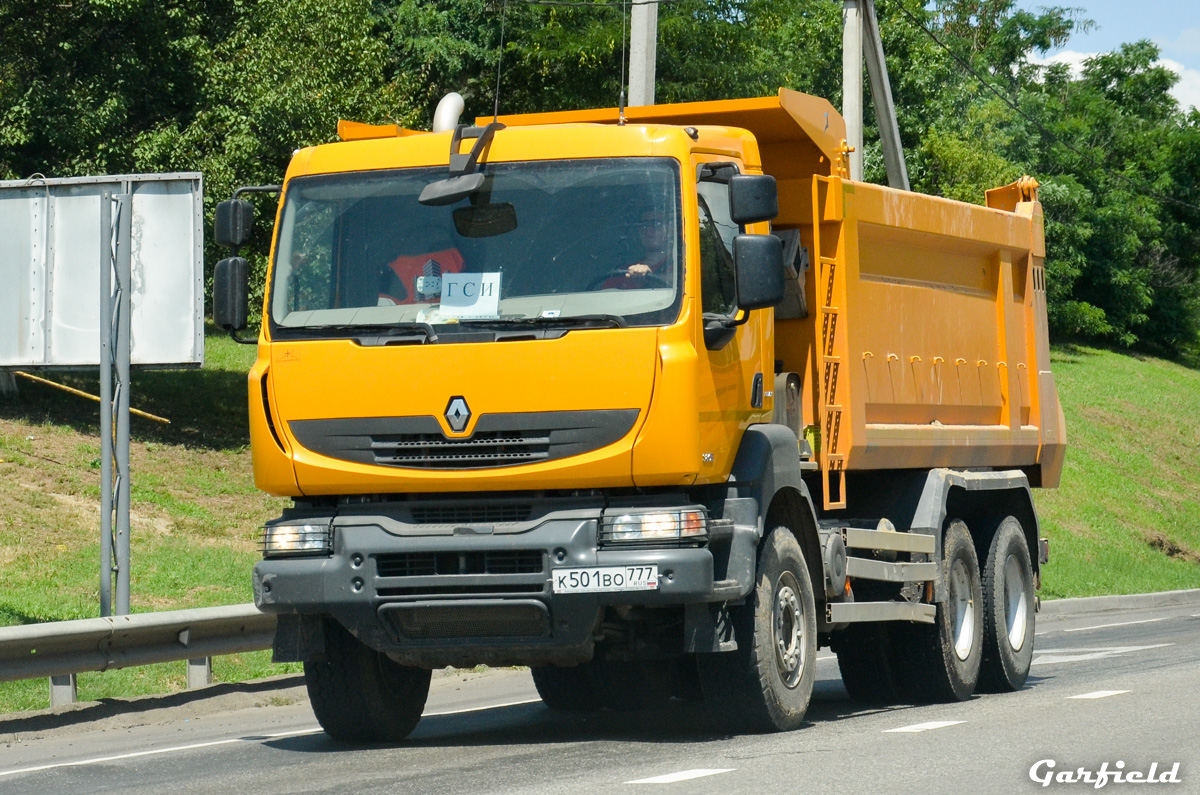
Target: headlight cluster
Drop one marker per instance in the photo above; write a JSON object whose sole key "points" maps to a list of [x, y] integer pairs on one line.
{"points": [[309, 538], [687, 525]]}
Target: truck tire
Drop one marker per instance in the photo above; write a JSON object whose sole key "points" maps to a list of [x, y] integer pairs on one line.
{"points": [[940, 662], [766, 684], [618, 685], [865, 660], [567, 689], [1008, 611], [360, 695]]}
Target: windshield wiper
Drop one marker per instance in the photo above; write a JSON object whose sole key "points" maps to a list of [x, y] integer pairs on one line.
{"points": [[574, 320], [381, 329]]}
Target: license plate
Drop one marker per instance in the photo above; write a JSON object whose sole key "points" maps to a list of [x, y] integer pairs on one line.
{"points": [[604, 579]]}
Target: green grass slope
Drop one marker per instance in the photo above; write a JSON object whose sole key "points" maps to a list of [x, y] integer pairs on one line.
{"points": [[1126, 518]]}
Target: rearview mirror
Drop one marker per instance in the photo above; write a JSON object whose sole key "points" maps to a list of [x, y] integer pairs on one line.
{"points": [[758, 264], [231, 293], [233, 223], [753, 198], [485, 220]]}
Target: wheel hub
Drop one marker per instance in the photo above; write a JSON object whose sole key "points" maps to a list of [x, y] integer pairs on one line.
{"points": [[1016, 605], [789, 631], [962, 610]]}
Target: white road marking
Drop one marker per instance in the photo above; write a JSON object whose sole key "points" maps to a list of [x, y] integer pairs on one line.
{"points": [[1047, 656], [828, 657], [1120, 624], [481, 709], [1102, 694], [252, 739], [685, 775], [924, 727]]}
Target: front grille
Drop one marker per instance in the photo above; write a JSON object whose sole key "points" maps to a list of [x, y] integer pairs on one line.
{"points": [[434, 451], [522, 620], [471, 514], [431, 564], [499, 440]]}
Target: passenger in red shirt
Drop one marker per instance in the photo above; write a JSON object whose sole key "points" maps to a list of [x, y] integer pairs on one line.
{"points": [[418, 279]]}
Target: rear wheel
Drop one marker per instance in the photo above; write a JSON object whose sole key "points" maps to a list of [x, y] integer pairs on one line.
{"points": [[766, 685], [864, 654], [1008, 611], [361, 695], [940, 661]]}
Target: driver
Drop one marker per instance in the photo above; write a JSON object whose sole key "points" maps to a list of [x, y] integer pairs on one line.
{"points": [[654, 260]]}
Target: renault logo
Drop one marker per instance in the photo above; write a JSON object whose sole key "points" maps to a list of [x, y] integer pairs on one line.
{"points": [[457, 414]]}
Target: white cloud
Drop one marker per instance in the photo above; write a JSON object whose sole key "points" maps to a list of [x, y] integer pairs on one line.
{"points": [[1186, 43], [1070, 57], [1186, 91]]}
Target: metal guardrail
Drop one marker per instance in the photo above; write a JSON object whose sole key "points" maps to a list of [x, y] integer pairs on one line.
{"points": [[61, 649]]}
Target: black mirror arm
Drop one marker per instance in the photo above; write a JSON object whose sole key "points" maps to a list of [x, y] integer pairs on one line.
{"points": [[252, 189], [465, 164], [242, 340]]}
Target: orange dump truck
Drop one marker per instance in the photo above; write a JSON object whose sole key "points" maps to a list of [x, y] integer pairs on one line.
{"points": [[655, 405]]}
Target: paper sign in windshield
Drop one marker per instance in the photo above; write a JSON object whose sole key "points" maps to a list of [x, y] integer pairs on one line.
{"points": [[470, 295]]}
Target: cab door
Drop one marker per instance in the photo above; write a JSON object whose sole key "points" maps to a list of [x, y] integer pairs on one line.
{"points": [[735, 374]]}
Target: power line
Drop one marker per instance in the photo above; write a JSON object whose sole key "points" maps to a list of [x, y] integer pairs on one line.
{"points": [[1140, 188]]}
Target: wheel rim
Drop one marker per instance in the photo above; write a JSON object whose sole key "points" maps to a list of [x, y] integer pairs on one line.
{"points": [[1016, 603], [789, 631], [962, 609]]}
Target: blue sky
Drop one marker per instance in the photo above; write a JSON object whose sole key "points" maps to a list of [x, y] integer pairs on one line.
{"points": [[1174, 25]]}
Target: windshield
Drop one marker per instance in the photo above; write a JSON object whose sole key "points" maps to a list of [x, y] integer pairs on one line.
{"points": [[542, 242]]}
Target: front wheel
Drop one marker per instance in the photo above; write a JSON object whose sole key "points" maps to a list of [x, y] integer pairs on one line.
{"points": [[567, 689], [1008, 610], [360, 695], [766, 685]]}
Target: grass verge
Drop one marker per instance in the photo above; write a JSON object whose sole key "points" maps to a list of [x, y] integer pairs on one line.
{"points": [[1126, 518]]}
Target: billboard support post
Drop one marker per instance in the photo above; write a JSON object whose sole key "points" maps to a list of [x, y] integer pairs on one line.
{"points": [[106, 416], [114, 396]]}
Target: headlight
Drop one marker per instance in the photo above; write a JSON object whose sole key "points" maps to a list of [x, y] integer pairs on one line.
{"points": [[684, 525], [310, 538]]}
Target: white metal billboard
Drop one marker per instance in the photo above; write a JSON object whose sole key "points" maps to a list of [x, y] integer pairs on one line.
{"points": [[50, 256]]}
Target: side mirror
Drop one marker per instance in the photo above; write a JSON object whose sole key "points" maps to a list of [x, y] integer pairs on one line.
{"points": [[233, 222], [753, 198], [231, 293], [758, 264]]}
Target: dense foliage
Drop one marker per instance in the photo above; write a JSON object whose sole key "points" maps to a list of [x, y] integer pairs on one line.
{"points": [[231, 87]]}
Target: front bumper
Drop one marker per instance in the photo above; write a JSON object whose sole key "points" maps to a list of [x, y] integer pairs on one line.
{"points": [[497, 606]]}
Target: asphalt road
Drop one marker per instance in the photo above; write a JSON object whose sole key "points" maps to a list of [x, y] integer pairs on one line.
{"points": [[1121, 688]]}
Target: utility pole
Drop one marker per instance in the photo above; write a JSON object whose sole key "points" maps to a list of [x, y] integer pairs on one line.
{"points": [[881, 100], [859, 23], [643, 46], [852, 83]]}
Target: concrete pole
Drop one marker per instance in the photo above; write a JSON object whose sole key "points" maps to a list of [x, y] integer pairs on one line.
{"points": [[643, 46], [852, 83], [881, 100]]}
